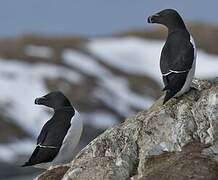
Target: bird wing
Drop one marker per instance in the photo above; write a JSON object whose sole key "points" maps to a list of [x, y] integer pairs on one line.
{"points": [[181, 63], [44, 132], [177, 69], [184, 60], [53, 133], [49, 142], [173, 84], [43, 153]]}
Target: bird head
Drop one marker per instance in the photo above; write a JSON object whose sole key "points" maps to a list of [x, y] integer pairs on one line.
{"points": [[168, 17], [53, 100]]}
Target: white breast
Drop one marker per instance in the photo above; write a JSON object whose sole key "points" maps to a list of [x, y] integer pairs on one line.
{"points": [[70, 141], [191, 73]]}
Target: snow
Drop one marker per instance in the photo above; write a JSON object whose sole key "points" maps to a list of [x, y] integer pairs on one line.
{"points": [[84, 63], [132, 55], [140, 56], [112, 90], [39, 51], [11, 151], [115, 93], [206, 65], [21, 83], [100, 119]]}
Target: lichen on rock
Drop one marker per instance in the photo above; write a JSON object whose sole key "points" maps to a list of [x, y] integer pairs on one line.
{"points": [[123, 151]]}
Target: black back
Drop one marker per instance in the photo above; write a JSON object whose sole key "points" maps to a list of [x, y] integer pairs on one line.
{"points": [[54, 131], [52, 134], [177, 53]]}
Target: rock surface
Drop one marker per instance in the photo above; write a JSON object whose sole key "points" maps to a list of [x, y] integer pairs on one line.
{"points": [[187, 164], [174, 141]]}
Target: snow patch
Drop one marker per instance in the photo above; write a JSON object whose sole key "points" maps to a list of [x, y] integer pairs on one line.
{"points": [[84, 63], [131, 54], [21, 83], [113, 90], [100, 119], [141, 56], [11, 151], [39, 51], [206, 65], [116, 94]]}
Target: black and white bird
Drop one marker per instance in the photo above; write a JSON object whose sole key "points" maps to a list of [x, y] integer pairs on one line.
{"points": [[178, 56], [59, 136]]}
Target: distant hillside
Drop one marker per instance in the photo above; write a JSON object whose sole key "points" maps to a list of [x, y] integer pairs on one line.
{"points": [[205, 35]]}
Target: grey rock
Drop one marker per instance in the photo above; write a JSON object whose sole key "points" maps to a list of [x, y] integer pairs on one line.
{"points": [[123, 151]]}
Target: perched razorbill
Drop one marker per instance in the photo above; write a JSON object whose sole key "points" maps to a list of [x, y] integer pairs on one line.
{"points": [[177, 62], [59, 136]]}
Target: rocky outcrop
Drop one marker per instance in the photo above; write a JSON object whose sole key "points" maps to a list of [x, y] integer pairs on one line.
{"points": [[173, 141]]}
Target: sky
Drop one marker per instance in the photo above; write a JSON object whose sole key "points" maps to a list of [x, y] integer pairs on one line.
{"points": [[93, 17]]}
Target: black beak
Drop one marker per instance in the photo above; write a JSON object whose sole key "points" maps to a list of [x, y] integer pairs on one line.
{"points": [[40, 100], [151, 18]]}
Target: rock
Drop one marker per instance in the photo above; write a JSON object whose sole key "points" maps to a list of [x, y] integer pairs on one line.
{"points": [[177, 140], [55, 173], [171, 166]]}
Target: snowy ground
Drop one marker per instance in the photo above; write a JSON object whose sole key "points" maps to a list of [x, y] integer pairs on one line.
{"points": [[22, 82], [11, 151], [135, 55], [109, 85], [39, 51]]}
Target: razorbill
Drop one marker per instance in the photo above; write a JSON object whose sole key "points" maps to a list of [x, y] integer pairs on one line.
{"points": [[59, 136], [178, 56]]}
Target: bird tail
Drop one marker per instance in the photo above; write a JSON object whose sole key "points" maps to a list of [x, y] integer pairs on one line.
{"points": [[168, 96], [26, 164], [165, 88]]}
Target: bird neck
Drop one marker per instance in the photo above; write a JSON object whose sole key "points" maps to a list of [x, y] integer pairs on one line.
{"points": [[175, 29], [65, 108], [64, 113], [176, 25]]}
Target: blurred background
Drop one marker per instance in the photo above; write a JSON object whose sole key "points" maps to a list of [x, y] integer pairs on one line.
{"points": [[102, 54]]}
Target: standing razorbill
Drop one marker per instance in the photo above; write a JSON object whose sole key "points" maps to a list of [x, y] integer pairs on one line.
{"points": [[177, 62], [59, 136]]}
